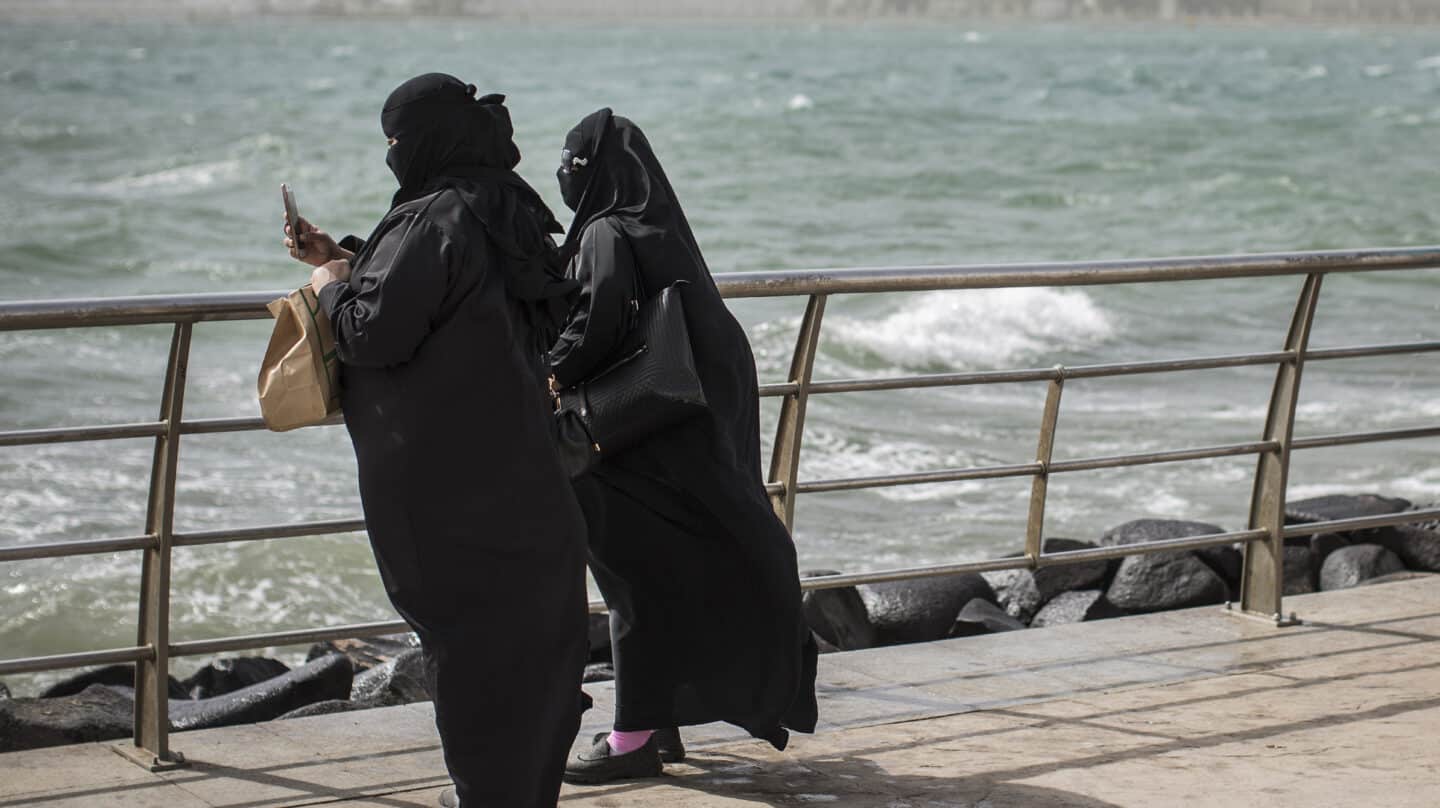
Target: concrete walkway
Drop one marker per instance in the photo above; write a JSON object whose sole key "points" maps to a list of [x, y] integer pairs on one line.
{"points": [[1194, 708]]}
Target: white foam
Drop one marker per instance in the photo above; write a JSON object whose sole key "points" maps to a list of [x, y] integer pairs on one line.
{"points": [[984, 327], [182, 178], [1429, 63], [799, 101], [1378, 71]]}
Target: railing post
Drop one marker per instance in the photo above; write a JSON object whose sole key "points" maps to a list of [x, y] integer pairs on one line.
{"points": [[152, 674], [1035, 522], [1262, 582], [789, 432]]}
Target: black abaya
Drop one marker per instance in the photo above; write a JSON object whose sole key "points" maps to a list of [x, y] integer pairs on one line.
{"points": [[479, 540], [699, 573]]}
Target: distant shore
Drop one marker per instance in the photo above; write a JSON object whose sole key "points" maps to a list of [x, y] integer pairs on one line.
{"points": [[1179, 11]]}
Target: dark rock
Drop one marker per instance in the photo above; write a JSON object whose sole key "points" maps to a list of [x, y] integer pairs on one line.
{"points": [[1160, 581], [838, 616], [820, 645], [399, 681], [1016, 592], [1299, 570], [599, 672], [922, 609], [1403, 575], [1074, 607], [228, 675], [1139, 531], [980, 616], [117, 675], [1351, 565], [327, 707], [1323, 544], [97, 713], [4, 691], [365, 654], [1341, 506], [323, 679], [1227, 560], [1051, 581], [1418, 546], [600, 637]]}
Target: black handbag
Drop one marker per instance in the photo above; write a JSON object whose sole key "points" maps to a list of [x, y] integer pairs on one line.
{"points": [[649, 385]]}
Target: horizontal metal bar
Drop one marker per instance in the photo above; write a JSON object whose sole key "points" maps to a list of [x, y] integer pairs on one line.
{"points": [[1348, 438], [73, 434], [1046, 374], [1175, 456], [263, 532], [918, 478], [40, 314], [1362, 522], [911, 573], [1359, 351], [779, 389], [1144, 548], [83, 659], [1080, 273], [275, 639], [63, 549]]}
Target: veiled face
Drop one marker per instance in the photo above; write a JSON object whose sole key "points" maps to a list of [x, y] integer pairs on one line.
{"points": [[573, 173]]}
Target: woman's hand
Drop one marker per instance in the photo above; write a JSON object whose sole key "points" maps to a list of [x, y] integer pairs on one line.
{"points": [[329, 272], [316, 247]]}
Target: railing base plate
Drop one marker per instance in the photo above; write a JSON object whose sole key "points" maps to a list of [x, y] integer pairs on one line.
{"points": [[146, 759], [1276, 620]]}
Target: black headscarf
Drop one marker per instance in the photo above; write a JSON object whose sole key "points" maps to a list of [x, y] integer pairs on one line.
{"points": [[608, 169], [447, 138]]}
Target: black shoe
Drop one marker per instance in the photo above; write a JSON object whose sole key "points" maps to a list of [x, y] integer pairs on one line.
{"points": [[448, 799], [667, 742], [600, 765]]}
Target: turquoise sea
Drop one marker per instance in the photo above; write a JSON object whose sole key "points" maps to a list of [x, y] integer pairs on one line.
{"points": [[144, 158]]}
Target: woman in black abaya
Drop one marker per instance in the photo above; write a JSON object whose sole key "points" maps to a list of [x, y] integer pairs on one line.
{"points": [[440, 328], [699, 574]]}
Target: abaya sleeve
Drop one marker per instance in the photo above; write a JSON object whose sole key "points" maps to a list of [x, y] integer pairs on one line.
{"points": [[394, 296], [605, 309]]}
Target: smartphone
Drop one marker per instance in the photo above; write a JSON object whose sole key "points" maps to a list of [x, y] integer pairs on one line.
{"points": [[292, 217]]}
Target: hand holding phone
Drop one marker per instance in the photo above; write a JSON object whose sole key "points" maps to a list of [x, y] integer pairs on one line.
{"points": [[292, 218]]}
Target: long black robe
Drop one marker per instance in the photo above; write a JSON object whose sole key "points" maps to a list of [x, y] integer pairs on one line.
{"points": [[699, 573], [479, 540]]}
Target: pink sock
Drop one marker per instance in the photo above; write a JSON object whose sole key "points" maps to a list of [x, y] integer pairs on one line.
{"points": [[623, 743]]}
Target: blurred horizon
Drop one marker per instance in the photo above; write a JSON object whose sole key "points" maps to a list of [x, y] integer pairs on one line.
{"points": [[1177, 11]]}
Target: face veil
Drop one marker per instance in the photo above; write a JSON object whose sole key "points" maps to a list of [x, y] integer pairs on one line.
{"points": [[439, 128]]}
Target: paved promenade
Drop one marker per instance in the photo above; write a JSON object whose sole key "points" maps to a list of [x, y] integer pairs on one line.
{"points": [[1194, 708]]}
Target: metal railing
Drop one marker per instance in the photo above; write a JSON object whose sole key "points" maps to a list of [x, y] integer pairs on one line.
{"points": [[1262, 576]]}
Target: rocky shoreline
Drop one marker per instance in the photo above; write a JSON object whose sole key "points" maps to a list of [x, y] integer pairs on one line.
{"points": [[97, 705]]}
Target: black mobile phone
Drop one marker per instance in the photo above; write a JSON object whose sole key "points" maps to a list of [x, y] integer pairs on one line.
{"points": [[292, 218]]}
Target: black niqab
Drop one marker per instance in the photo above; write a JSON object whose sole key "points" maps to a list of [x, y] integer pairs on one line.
{"points": [[446, 138]]}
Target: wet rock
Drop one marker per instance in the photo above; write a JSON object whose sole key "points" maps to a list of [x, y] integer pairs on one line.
{"points": [[1418, 546], [1351, 565], [980, 616], [4, 691], [122, 676], [599, 637], [97, 713], [365, 654], [1341, 506], [1299, 568], [323, 679], [327, 707], [1016, 592], [922, 609], [1403, 575], [1225, 560], [1075, 607], [1323, 544], [228, 675], [838, 616], [599, 672], [1161, 581], [399, 681], [1051, 581]]}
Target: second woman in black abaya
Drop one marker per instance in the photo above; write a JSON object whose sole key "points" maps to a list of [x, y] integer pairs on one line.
{"points": [[699, 574]]}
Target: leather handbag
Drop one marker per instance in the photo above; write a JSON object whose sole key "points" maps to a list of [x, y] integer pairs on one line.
{"points": [[650, 384]]}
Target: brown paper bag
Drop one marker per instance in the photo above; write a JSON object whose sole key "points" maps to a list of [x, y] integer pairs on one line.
{"points": [[299, 382]]}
